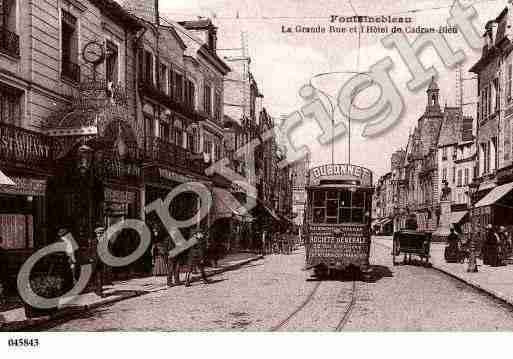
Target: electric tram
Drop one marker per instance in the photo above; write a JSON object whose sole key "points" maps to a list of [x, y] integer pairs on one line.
{"points": [[338, 218]]}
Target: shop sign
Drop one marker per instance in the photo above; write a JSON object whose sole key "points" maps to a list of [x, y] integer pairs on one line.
{"points": [[173, 176], [19, 145], [25, 186], [112, 195], [342, 172], [353, 241]]}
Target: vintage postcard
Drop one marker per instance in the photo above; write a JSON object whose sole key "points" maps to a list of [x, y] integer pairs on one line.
{"points": [[255, 166]]}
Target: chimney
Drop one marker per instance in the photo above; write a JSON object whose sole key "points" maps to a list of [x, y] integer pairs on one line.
{"points": [[493, 33], [212, 39]]}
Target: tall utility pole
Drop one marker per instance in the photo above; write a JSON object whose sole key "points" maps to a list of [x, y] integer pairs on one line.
{"points": [[459, 88]]}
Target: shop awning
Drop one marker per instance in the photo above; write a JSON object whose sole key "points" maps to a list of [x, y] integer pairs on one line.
{"points": [[385, 221], [226, 206], [486, 185], [495, 194], [456, 217], [6, 181], [262, 208]]}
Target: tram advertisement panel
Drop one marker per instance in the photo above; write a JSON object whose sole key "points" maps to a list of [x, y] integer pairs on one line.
{"points": [[340, 241]]}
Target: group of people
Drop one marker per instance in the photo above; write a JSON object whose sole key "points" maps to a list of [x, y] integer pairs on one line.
{"points": [[497, 246], [279, 243], [188, 261]]}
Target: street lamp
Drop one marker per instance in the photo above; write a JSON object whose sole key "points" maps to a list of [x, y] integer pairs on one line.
{"points": [[472, 265]]}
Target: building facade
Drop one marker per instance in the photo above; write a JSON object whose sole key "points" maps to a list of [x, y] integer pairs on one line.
{"points": [[67, 79], [494, 124], [436, 166]]}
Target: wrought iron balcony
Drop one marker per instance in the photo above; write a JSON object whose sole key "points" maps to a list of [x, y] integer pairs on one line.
{"points": [[70, 71], [149, 89], [163, 152], [9, 42], [20, 147]]}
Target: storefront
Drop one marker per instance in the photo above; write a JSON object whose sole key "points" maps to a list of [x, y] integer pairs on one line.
{"points": [[160, 181], [230, 221], [25, 165], [495, 208]]}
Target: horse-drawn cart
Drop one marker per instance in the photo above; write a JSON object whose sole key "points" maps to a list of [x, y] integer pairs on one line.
{"points": [[410, 242]]}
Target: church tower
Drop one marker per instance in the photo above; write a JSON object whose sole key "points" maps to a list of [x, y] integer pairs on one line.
{"points": [[433, 98]]}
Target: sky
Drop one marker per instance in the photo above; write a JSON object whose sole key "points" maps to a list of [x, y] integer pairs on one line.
{"points": [[282, 63]]}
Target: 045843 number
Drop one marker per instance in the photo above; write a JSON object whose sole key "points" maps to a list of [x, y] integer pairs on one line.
{"points": [[23, 342]]}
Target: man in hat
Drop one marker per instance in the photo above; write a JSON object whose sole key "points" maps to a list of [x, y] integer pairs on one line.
{"points": [[490, 248], [196, 256]]}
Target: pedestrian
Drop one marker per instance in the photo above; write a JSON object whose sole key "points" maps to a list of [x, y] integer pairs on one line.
{"points": [[490, 256], [174, 264], [502, 244], [264, 243], [196, 256], [3, 273], [70, 273], [100, 270], [159, 258]]}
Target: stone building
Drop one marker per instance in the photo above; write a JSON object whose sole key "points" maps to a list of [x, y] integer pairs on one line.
{"points": [[456, 158], [436, 166], [299, 171], [494, 167], [421, 163], [383, 205], [67, 79]]}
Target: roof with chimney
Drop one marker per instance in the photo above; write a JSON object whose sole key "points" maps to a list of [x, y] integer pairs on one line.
{"points": [[496, 37], [197, 47]]}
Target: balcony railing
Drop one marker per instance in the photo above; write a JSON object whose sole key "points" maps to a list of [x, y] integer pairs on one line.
{"points": [[148, 88], [70, 71], [24, 148], [9, 42], [170, 154]]}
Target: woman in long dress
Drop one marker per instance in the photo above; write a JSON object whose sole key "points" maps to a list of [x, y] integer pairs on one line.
{"points": [[159, 253]]}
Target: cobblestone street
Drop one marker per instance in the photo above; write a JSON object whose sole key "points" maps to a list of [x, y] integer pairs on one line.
{"points": [[276, 294]]}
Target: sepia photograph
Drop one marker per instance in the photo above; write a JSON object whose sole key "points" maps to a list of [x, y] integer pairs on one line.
{"points": [[235, 166]]}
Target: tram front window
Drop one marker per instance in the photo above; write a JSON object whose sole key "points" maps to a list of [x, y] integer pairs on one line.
{"points": [[319, 215], [339, 206]]}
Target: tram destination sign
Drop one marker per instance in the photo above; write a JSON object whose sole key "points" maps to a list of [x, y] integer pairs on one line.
{"points": [[343, 171]]}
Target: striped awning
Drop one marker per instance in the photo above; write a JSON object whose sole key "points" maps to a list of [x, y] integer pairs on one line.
{"points": [[226, 206], [456, 217], [495, 194]]}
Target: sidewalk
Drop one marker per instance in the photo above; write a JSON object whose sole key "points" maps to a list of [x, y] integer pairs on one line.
{"points": [[496, 281], [15, 319]]}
